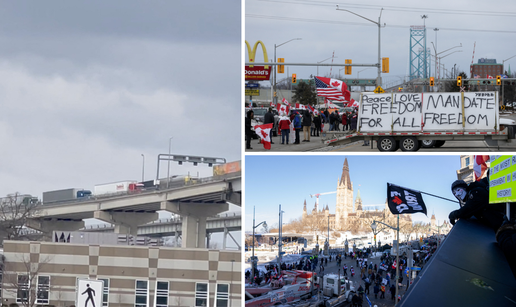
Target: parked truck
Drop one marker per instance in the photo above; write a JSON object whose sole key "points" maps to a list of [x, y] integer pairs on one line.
{"points": [[127, 186], [339, 290], [410, 121], [65, 195]]}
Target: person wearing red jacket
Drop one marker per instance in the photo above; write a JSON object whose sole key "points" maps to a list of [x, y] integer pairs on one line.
{"points": [[284, 126], [344, 122]]}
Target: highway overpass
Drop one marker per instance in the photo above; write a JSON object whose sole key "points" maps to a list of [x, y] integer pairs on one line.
{"points": [[194, 202]]}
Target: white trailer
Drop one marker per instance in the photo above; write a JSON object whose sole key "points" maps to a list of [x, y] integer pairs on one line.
{"points": [[410, 121], [116, 187]]}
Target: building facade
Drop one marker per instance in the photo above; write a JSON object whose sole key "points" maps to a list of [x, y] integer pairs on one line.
{"points": [[485, 68], [47, 273], [345, 213]]}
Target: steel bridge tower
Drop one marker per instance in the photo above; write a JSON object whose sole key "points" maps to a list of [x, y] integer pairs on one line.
{"points": [[419, 60]]}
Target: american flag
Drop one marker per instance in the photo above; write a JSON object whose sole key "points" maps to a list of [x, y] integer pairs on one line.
{"points": [[327, 91], [476, 76]]}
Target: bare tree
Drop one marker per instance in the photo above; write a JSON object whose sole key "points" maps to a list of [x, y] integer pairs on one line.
{"points": [[15, 210], [22, 277]]}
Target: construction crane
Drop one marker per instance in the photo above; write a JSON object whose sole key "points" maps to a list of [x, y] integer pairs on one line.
{"points": [[317, 198]]}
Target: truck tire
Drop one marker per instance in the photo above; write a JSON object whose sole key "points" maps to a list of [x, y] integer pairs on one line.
{"points": [[439, 143], [386, 143], [428, 143], [409, 143]]}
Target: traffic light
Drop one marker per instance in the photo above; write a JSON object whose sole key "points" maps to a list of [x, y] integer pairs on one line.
{"points": [[347, 69], [275, 95], [399, 89], [281, 68], [431, 81], [294, 78], [498, 80], [385, 65], [459, 81]]}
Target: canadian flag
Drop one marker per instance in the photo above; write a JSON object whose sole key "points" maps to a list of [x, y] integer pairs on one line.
{"points": [[479, 166], [338, 85], [352, 103], [282, 108], [490, 77], [300, 106], [285, 102], [264, 132], [272, 104], [311, 108]]}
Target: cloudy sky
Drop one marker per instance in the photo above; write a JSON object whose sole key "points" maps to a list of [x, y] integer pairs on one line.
{"points": [[326, 32], [86, 88]]}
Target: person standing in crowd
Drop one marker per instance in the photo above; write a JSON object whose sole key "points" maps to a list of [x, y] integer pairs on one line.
{"points": [[297, 126], [393, 292], [382, 291], [284, 126], [248, 129], [317, 124], [307, 123], [327, 115], [353, 123], [344, 121], [268, 118]]}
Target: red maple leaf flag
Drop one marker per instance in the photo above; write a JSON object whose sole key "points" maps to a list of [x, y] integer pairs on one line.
{"points": [[479, 166], [332, 89], [264, 132], [285, 102]]}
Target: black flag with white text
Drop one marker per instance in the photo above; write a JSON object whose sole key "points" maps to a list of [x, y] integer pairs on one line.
{"points": [[402, 200]]}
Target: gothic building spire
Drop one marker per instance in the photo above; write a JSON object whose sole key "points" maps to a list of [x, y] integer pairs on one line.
{"points": [[345, 179]]}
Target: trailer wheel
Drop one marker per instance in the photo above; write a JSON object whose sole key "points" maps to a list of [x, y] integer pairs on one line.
{"points": [[386, 143], [409, 143], [439, 143], [428, 143]]}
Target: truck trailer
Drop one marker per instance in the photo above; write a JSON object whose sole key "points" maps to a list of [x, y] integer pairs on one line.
{"points": [[65, 195], [127, 186], [410, 121]]}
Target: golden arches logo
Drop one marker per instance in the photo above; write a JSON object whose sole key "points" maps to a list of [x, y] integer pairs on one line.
{"points": [[252, 52]]}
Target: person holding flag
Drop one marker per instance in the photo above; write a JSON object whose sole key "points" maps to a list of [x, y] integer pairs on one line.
{"points": [[284, 126]]}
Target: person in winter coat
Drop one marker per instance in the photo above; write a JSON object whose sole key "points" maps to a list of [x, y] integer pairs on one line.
{"points": [[344, 122], [317, 124], [307, 123], [248, 129], [474, 200], [506, 238], [393, 292], [382, 291], [354, 123], [284, 126], [297, 126], [376, 290], [352, 271], [268, 118]]}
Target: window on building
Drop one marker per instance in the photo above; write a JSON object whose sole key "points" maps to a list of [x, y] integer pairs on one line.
{"points": [[22, 293], [142, 293], [105, 292], [201, 294], [467, 161], [43, 290], [161, 293], [222, 295]]}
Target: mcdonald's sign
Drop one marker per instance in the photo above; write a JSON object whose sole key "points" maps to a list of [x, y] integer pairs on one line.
{"points": [[255, 72]]}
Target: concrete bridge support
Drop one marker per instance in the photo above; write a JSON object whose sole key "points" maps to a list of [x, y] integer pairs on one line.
{"points": [[194, 220], [126, 222]]}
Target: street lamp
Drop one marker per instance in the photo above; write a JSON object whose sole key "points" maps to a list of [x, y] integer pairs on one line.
{"points": [[358, 73], [143, 167], [168, 167], [323, 61], [379, 78], [252, 258], [503, 70], [374, 226], [280, 241], [275, 99]]}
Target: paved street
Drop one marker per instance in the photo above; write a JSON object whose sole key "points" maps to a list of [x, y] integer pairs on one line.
{"points": [[332, 268]]}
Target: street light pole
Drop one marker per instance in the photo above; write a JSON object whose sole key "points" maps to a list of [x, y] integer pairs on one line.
{"points": [[168, 167], [252, 258], [323, 61], [379, 78], [143, 167], [275, 98], [503, 83]]}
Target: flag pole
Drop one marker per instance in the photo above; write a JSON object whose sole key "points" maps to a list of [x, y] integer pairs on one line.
{"points": [[454, 201]]}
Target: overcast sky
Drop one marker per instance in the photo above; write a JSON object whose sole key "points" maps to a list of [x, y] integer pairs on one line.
{"points": [[326, 32], [87, 87]]}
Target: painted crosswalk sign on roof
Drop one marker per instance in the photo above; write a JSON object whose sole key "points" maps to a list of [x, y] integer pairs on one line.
{"points": [[89, 293]]}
